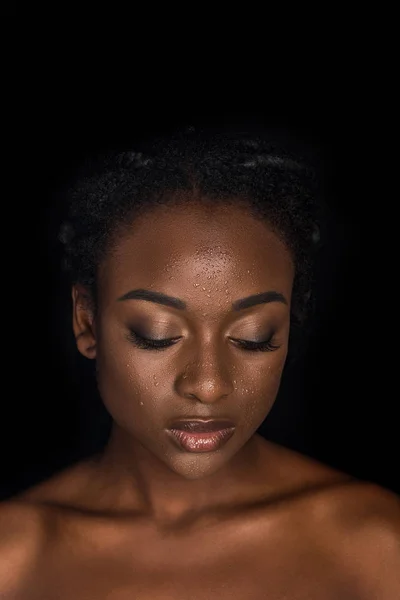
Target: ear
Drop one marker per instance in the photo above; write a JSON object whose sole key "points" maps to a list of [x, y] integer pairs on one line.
{"points": [[83, 321]]}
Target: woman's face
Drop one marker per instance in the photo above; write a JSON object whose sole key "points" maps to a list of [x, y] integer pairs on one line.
{"points": [[208, 259]]}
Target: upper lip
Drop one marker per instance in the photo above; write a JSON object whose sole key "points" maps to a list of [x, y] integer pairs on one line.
{"points": [[202, 425]]}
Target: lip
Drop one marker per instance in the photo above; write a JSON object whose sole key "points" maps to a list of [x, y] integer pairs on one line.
{"points": [[195, 441], [202, 425]]}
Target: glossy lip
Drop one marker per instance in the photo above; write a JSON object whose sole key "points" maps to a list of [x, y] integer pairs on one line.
{"points": [[202, 425], [192, 441]]}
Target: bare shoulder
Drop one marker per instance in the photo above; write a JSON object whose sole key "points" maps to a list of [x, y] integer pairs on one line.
{"points": [[378, 541], [355, 523], [21, 535], [364, 537], [26, 524]]}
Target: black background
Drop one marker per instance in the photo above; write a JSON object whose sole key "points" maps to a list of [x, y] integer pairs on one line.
{"points": [[339, 403]]}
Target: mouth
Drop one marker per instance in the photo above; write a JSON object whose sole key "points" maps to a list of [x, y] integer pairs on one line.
{"points": [[200, 435]]}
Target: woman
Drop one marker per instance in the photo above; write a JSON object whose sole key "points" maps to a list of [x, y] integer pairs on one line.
{"points": [[191, 264]]}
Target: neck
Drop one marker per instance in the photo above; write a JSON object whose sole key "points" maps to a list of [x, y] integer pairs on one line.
{"points": [[141, 482]]}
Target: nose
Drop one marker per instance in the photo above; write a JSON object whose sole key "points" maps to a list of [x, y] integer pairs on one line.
{"points": [[206, 378]]}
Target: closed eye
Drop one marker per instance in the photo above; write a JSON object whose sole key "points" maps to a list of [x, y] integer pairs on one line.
{"points": [[264, 346], [152, 344]]}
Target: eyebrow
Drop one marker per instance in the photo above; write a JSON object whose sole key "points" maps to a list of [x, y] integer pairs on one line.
{"points": [[241, 304]]}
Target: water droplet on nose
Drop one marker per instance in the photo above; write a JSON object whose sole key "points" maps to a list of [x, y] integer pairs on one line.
{"points": [[208, 295], [196, 284], [203, 289], [157, 383]]}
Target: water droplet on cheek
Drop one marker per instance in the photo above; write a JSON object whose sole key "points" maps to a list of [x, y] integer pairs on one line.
{"points": [[141, 403]]}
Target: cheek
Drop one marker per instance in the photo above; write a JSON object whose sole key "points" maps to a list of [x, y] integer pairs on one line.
{"points": [[258, 386], [124, 383]]}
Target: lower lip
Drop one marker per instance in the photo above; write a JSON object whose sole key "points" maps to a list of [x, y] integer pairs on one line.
{"points": [[202, 442]]}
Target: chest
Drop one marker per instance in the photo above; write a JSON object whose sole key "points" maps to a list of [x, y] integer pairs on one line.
{"points": [[222, 565]]}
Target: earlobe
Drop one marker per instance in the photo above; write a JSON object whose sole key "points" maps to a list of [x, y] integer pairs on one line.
{"points": [[83, 321]]}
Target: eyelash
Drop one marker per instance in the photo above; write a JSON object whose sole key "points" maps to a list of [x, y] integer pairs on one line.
{"points": [[148, 344]]}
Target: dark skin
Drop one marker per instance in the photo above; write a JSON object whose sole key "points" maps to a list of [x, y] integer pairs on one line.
{"points": [[203, 374], [251, 520]]}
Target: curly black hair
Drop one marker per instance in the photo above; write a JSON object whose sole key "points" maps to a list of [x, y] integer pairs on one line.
{"points": [[219, 168]]}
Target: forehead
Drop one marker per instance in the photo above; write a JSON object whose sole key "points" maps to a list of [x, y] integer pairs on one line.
{"points": [[181, 249]]}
